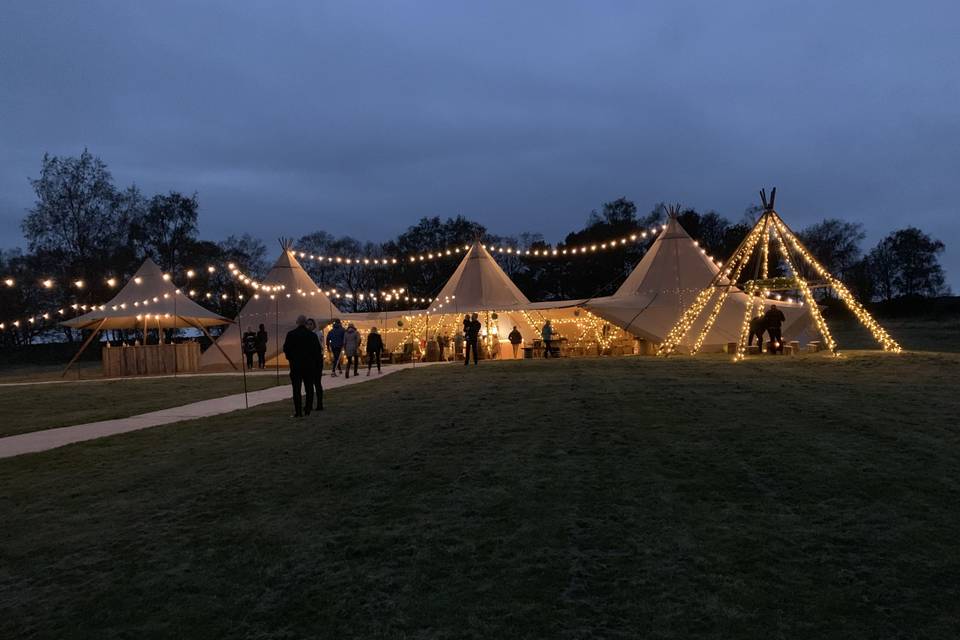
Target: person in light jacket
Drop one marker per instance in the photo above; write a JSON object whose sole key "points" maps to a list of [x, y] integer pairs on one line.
{"points": [[351, 346]]}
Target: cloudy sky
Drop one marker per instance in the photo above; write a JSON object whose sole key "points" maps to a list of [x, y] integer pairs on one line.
{"points": [[359, 117]]}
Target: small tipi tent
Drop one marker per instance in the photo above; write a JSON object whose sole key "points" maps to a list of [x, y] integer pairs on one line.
{"points": [[277, 311], [666, 281], [148, 300]]}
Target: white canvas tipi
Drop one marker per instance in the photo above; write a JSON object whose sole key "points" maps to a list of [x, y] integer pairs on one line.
{"points": [[666, 281], [299, 296], [479, 284]]}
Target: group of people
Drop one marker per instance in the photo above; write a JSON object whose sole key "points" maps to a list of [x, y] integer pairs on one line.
{"points": [[769, 323], [304, 352], [303, 348], [255, 343], [471, 339], [346, 342]]}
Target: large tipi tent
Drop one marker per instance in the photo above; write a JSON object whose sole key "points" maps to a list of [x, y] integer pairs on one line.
{"points": [[478, 285], [148, 300], [666, 281], [277, 311]]}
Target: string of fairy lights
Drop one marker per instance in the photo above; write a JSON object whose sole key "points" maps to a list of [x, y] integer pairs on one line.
{"points": [[529, 252], [259, 287], [393, 295], [770, 224]]}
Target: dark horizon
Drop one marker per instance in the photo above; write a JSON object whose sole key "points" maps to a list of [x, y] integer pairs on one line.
{"points": [[523, 119]]}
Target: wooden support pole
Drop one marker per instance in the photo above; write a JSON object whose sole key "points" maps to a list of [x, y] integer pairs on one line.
{"points": [[83, 348], [206, 333]]}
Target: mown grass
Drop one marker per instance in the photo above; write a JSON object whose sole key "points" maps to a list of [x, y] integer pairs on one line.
{"points": [[35, 407], [804, 497], [916, 334]]}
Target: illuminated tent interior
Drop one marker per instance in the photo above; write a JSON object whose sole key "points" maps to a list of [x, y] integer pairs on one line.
{"points": [[479, 285], [148, 301], [295, 294], [667, 280]]}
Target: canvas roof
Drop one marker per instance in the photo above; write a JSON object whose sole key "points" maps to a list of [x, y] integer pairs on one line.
{"points": [[300, 296], [666, 281], [479, 284], [147, 297]]}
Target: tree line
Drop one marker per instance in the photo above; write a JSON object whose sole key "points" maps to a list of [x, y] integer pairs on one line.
{"points": [[83, 229]]}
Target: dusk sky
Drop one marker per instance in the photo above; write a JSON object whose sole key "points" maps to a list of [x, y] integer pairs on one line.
{"points": [[359, 118]]}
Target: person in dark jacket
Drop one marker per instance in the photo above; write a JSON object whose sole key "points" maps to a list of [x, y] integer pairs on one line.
{"points": [[546, 333], [302, 350], [515, 341], [757, 328], [773, 318], [262, 347], [374, 349], [318, 375], [249, 341], [335, 344], [471, 331]]}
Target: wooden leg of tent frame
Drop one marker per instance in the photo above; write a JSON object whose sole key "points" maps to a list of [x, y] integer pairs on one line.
{"points": [[84, 347], [206, 333]]}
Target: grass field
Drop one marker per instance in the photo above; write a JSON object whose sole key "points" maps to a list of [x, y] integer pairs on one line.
{"points": [[801, 497], [42, 406]]}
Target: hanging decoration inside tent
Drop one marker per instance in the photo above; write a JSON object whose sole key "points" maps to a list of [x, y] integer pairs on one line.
{"points": [[794, 255]]}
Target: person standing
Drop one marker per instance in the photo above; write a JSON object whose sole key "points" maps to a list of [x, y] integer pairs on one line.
{"points": [[458, 345], [440, 347], [262, 341], [351, 346], [302, 350], [547, 334], [335, 344], [318, 373], [757, 328], [374, 349], [472, 333], [249, 341], [773, 319], [515, 341]]}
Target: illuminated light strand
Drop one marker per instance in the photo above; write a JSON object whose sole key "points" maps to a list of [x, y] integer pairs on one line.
{"points": [[765, 258], [192, 272], [689, 316], [718, 306], [865, 318], [745, 327], [807, 294], [427, 256]]}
